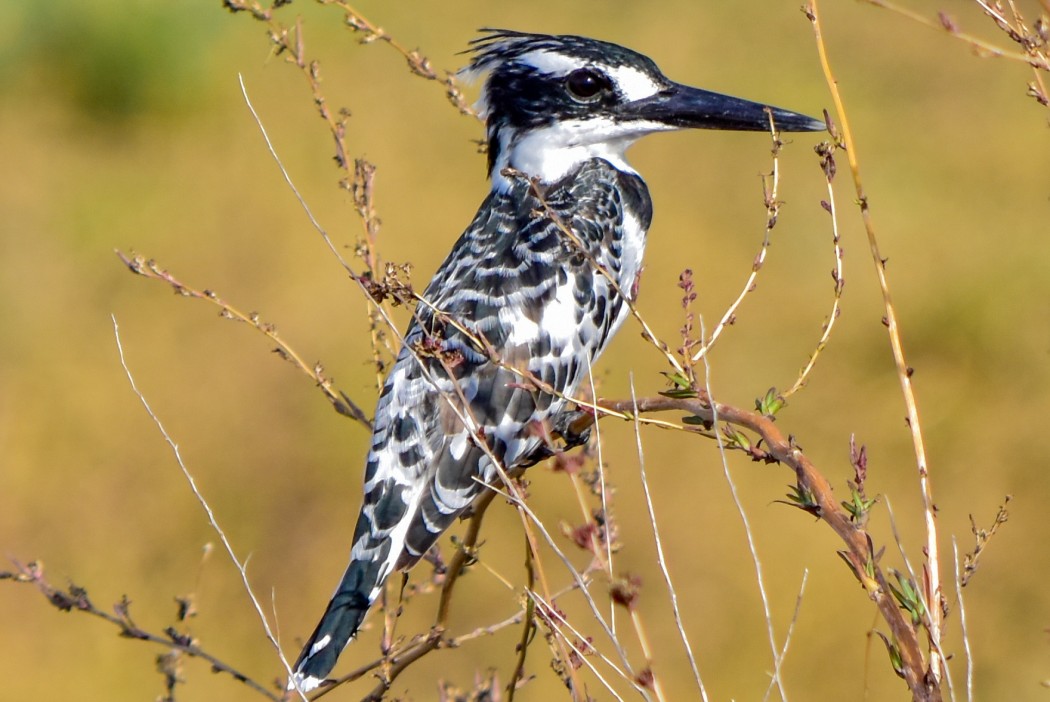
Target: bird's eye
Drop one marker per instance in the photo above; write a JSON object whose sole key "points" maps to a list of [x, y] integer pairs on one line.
{"points": [[586, 84]]}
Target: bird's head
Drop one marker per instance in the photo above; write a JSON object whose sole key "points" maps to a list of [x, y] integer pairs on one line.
{"points": [[551, 102]]}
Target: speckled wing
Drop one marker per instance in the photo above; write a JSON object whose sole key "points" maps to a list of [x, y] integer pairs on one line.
{"points": [[518, 281]]}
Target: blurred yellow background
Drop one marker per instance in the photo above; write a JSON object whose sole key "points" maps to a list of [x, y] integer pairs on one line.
{"points": [[122, 125]]}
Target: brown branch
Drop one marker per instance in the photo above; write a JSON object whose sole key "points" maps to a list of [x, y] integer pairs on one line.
{"points": [[921, 688], [148, 268], [860, 553], [75, 599]]}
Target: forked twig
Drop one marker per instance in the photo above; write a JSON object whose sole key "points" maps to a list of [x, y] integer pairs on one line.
{"points": [[962, 623], [826, 151], [787, 635], [770, 194]]}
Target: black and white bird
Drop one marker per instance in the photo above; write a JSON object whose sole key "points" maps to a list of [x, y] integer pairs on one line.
{"points": [[534, 289]]}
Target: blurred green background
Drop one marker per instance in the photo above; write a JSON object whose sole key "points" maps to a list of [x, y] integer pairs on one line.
{"points": [[122, 125]]}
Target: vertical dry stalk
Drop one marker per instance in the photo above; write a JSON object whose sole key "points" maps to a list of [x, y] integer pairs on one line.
{"points": [[932, 570]]}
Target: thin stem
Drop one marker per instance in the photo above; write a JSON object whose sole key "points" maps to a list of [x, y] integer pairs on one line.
{"points": [[772, 211], [904, 372], [787, 636], [837, 275], [660, 558], [962, 624], [749, 535], [76, 599], [212, 520]]}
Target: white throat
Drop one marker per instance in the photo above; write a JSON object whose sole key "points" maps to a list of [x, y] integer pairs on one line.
{"points": [[550, 153]]}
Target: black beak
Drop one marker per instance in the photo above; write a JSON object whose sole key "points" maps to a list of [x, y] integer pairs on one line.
{"points": [[683, 107]]}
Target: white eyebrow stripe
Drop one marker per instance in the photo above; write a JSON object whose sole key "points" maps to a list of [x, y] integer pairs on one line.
{"points": [[552, 62], [633, 84]]}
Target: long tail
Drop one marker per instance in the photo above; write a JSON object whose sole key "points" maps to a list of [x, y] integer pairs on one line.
{"points": [[340, 622]]}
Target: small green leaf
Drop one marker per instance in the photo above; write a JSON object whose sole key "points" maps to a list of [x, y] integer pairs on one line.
{"points": [[771, 403], [858, 506], [678, 379], [895, 655], [908, 597], [802, 498]]}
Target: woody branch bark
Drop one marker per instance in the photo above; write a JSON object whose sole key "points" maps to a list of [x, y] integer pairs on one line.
{"points": [[859, 552]]}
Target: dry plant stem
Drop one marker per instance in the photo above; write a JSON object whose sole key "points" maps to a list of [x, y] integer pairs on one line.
{"points": [[355, 181], [417, 63], [241, 567], [528, 519], [604, 496], [529, 630], [933, 593], [579, 579], [556, 621], [860, 551], [643, 640], [837, 274], [787, 636], [76, 599], [772, 210], [748, 533], [660, 558], [1034, 48], [962, 624], [364, 204], [148, 268], [981, 46]]}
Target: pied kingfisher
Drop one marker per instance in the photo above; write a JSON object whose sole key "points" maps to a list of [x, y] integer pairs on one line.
{"points": [[526, 301]]}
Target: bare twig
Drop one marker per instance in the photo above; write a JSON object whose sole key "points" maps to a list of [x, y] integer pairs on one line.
{"points": [[826, 151], [661, 560], [769, 196], [981, 537], [752, 548], [962, 623], [787, 636], [75, 598], [149, 268], [418, 64], [212, 520], [556, 621], [944, 23], [904, 371]]}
